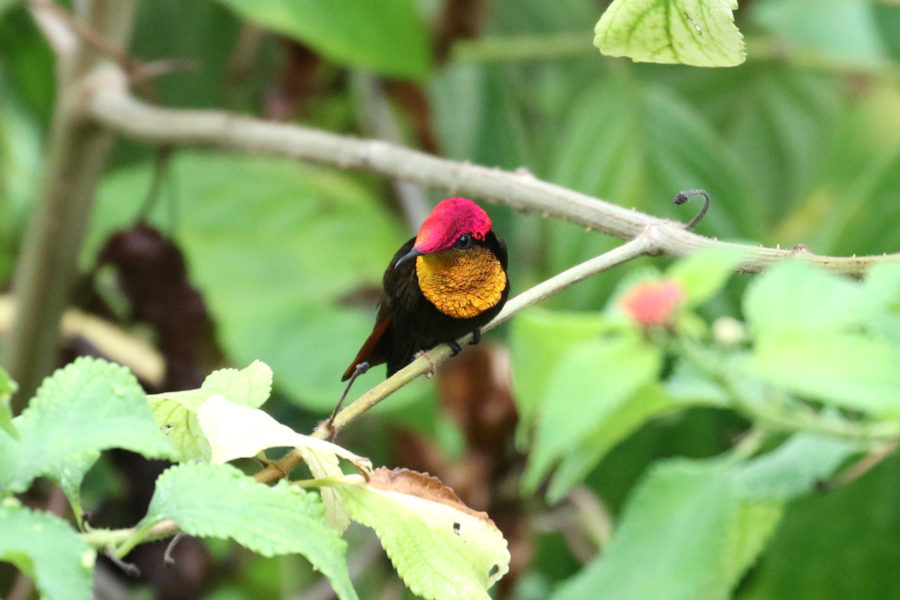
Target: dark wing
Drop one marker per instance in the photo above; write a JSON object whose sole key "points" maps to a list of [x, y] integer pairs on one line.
{"points": [[378, 346], [374, 350]]}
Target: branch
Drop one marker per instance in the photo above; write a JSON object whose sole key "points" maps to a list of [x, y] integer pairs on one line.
{"points": [[110, 105]]}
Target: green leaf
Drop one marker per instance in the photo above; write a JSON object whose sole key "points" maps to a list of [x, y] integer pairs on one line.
{"points": [[276, 271], [648, 402], [846, 30], [590, 385], [691, 32], [388, 36], [846, 369], [176, 414], [48, 551], [794, 468], [8, 387], [88, 406], [249, 387], [220, 501], [538, 339], [702, 274], [794, 295], [441, 548], [688, 526]]}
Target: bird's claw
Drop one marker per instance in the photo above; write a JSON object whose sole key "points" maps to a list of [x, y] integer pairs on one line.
{"points": [[476, 336], [454, 347]]}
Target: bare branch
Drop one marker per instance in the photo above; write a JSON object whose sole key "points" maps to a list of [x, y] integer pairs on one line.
{"points": [[109, 104]]}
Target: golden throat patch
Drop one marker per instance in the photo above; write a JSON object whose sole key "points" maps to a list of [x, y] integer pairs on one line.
{"points": [[461, 283]]}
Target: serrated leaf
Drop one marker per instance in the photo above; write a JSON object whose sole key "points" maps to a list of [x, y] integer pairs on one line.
{"points": [[441, 548], [250, 386], [176, 414], [592, 381], [690, 32], [241, 432], [48, 550], [88, 406], [8, 387], [702, 274], [687, 525], [388, 37], [220, 501]]}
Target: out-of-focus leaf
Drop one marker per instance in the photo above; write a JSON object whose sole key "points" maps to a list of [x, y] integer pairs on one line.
{"points": [[687, 525], [46, 549], [591, 383], [703, 274], [802, 563], [221, 502], [691, 32], [275, 247], [845, 369], [441, 548], [388, 37], [7, 389], [87, 406], [794, 468], [795, 296], [646, 403], [538, 341], [844, 29]]}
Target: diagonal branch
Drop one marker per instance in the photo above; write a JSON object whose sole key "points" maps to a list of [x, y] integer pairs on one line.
{"points": [[110, 105]]}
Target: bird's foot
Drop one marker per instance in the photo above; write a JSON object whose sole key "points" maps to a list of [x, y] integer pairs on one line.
{"points": [[454, 347], [476, 336]]}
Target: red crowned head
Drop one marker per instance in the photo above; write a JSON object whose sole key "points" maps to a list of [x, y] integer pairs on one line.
{"points": [[450, 219]]}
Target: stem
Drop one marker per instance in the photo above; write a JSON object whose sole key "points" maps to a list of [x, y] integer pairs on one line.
{"points": [[78, 152]]}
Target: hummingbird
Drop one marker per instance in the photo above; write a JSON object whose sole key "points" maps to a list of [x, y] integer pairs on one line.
{"points": [[447, 281]]}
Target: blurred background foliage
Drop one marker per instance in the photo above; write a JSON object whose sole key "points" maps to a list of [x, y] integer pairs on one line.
{"points": [[799, 145]]}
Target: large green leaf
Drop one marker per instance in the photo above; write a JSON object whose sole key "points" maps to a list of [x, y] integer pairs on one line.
{"points": [[836, 545], [795, 296], [591, 383], [275, 247], [388, 36], [687, 526], [48, 550], [646, 403], [220, 501], [88, 406], [846, 369], [538, 340], [692, 32]]}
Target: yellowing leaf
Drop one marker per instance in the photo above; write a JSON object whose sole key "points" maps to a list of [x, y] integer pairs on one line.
{"points": [[236, 431], [440, 547]]}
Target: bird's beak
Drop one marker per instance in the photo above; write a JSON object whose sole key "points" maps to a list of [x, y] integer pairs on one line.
{"points": [[411, 254]]}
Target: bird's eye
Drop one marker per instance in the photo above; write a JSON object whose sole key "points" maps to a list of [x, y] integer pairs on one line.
{"points": [[464, 241]]}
